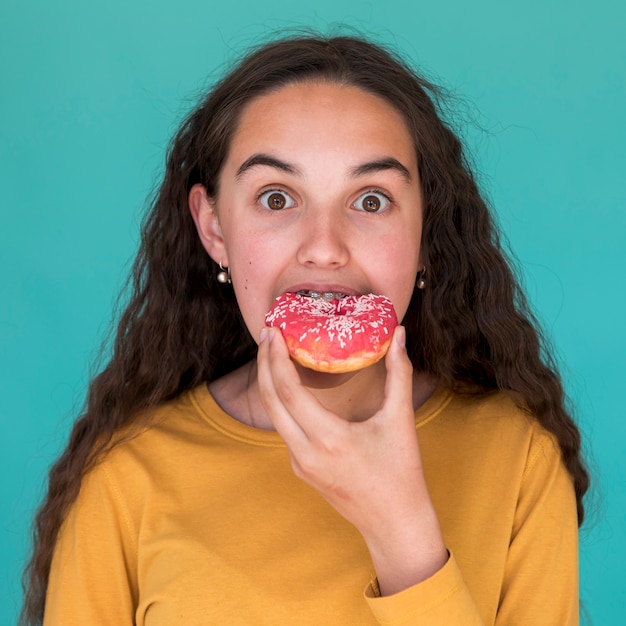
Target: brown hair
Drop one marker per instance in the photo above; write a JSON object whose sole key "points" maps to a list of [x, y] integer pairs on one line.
{"points": [[470, 327]]}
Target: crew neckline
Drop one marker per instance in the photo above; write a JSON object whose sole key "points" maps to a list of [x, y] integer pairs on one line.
{"points": [[213, 413]]}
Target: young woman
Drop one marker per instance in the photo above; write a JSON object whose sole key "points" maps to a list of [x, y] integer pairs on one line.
{"points": [[213, 480]]}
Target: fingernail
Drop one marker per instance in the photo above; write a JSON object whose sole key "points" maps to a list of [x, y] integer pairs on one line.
{"points": [[263, 334], [401, 336]]}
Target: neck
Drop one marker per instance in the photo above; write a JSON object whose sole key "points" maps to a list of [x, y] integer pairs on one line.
{"points": [[354, 396]]}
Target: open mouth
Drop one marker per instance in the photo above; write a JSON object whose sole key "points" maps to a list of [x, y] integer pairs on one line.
{"points": [[324, 295]]}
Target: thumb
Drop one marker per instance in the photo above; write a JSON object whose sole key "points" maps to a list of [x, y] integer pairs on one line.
{"points": [[399, 383]]}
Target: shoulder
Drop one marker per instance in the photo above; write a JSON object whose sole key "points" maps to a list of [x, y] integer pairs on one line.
{"points": [[491, 419], [489, 463], [154, 443], [490, 444]]}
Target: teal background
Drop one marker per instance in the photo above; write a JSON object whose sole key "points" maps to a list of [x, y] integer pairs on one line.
{"points": [[90, 93]]}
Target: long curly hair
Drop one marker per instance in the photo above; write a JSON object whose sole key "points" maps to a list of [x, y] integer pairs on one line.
{"points": [[471, 327]]}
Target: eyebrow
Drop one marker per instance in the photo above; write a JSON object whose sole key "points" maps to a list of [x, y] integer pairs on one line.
{"points": [[379, 165], [269, 161]]}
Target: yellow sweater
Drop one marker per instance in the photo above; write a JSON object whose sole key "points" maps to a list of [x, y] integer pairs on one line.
{"points": [[199, 520]]}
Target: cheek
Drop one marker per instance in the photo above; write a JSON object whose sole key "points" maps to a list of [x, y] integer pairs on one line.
{"points": [[247, 270], [254, 269], [398, 270], [400, 252]]}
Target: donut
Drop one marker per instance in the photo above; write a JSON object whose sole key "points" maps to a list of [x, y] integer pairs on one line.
{"points": [[334, 334]]}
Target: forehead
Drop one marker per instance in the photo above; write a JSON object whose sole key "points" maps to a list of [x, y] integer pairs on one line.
{"points": [[320, 116]]}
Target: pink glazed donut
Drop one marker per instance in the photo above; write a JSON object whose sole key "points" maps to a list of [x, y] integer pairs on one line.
{"points": [[338, 335]]}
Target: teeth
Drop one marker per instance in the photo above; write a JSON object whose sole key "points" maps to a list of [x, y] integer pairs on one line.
{"points": [[326, 295]]}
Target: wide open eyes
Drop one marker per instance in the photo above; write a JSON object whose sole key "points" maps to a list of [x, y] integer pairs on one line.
{"points": [[372, 202], [276, 199]]}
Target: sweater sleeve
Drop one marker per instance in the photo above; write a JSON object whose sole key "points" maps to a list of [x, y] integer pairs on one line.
{"points": [[540, 575], [93, 574], [441, 600], [540, 583]]}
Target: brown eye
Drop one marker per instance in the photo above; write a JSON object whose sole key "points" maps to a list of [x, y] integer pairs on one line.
{"points": [[372, 202], [276, 200]]}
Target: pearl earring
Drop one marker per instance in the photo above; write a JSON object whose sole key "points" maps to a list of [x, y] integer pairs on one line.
{"points": [[224, 275], [421, 279]]}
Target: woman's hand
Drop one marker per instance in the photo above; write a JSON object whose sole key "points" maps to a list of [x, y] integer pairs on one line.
{"points": [[369, 471]]}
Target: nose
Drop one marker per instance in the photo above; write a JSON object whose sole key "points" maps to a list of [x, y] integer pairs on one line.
{"points": [[323, 239]]}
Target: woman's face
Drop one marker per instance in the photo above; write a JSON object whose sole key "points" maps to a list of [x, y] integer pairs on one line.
{"points": [[320, 191]]}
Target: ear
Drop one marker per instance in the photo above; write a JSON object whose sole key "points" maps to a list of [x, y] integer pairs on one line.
{"points": [[204, 215]]}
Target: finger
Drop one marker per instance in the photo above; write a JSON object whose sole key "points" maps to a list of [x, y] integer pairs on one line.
{"points": [[282, 369], [399, 383], [279, 415], [303, 407]]}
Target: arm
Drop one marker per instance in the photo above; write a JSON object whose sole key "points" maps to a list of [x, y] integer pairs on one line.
{"points": [[540, 583], [370, 472], [92, 579], [537, 581]]}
